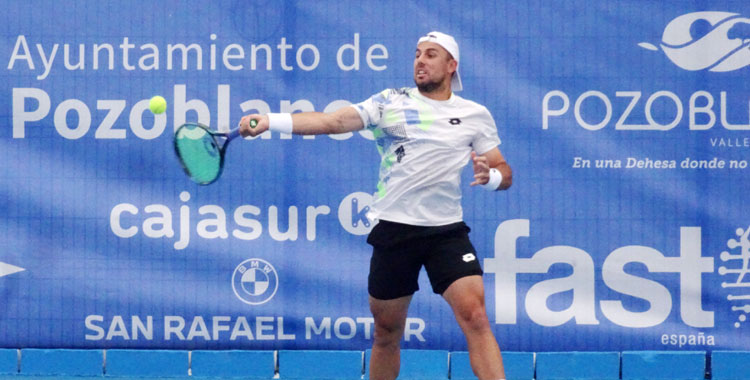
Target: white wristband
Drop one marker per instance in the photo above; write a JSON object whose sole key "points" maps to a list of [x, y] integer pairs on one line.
{"points": [[280, 122], [495, 179]]}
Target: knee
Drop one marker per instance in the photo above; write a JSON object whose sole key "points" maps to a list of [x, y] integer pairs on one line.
{"points": [[387, 332], [474, 318]]}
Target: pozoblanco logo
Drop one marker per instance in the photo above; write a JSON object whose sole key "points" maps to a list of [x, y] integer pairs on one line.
{"points": [[740, 283], [255, 281], [353, 212], [716, 41]]}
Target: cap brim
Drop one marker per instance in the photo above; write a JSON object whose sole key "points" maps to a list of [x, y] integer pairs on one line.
{"points": [[456, 82]]}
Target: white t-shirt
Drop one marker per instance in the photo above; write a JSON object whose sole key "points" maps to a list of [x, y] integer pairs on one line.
{"points": [[424, 144]]}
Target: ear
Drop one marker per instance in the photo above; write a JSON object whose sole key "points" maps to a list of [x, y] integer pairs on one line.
{"points": [[452, 65]]}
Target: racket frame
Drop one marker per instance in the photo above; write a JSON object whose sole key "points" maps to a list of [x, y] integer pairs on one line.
{"points": [[229, 136]]}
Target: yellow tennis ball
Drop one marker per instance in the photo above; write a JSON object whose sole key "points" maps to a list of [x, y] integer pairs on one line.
{"points": [[157, 104]]}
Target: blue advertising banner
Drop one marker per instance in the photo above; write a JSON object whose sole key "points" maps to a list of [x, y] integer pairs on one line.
{"points": [[627, 125]]}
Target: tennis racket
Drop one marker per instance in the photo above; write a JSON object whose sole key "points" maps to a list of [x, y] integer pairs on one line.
{"points": [[200, 154]]}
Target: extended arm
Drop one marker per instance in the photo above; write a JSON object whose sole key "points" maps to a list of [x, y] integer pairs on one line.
{"points": [[307, 123]]}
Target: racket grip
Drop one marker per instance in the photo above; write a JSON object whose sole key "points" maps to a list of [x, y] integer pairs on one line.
{"points": [[236, 132]]}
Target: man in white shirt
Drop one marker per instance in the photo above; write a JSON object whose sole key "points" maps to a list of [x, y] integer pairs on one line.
{"points": [[425, 136]]}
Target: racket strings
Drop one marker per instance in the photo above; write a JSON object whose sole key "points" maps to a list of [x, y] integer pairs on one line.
{"points": [[199, 153]]}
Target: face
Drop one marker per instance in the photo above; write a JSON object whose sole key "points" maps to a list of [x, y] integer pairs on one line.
{"points": [[433, 67]]}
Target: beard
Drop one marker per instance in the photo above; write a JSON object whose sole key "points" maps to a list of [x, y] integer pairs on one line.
{"points": [[428, 87], [434, 85]]}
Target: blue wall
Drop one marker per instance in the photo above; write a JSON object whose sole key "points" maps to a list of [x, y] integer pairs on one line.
{"points": [[626, 124]]}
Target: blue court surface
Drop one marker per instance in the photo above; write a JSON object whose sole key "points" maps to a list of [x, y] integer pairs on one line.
{"points": [[56, 364]]}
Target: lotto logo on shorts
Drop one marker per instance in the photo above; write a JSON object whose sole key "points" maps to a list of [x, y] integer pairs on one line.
{"points": [[469, 257], [255, 281]]}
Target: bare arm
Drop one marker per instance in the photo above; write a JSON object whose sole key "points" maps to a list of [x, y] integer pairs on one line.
{"points": [[491, 159], [309, 123]]}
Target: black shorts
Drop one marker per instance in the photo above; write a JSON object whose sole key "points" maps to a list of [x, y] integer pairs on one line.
{"points": [[400, 251]]}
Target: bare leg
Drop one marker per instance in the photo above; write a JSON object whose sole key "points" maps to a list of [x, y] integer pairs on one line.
{"points": [[390, 319], [466, 298]]}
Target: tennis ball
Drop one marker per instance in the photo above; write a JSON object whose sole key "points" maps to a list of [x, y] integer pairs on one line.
{"points": [[157, 104]]}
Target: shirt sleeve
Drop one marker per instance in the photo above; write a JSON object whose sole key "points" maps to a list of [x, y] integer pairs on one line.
{"points": [[371, 110], [486, 137]]}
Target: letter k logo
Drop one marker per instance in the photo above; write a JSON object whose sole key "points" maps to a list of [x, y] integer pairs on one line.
{"points": [[353, 213], [359, 215]]}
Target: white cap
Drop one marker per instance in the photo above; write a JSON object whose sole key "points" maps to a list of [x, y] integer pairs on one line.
{"points": [[448, 43]]}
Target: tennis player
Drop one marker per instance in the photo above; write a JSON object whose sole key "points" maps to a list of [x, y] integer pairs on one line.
{"points": [[425, 135]]}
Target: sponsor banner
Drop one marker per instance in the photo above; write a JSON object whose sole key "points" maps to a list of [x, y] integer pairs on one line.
{"points": [[627, 126]]}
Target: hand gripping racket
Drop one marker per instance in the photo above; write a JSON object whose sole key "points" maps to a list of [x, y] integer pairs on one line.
{"points": [[197, 147]]}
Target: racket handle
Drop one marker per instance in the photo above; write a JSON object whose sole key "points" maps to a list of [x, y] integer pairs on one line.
{"points": [[236, 132], [233, 133]]}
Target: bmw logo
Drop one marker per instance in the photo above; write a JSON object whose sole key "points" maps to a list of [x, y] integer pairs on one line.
{"points": [[255, 281]]}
